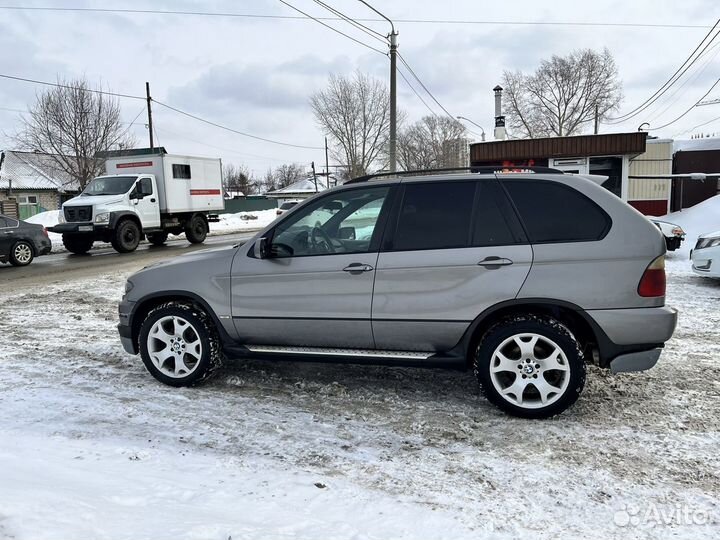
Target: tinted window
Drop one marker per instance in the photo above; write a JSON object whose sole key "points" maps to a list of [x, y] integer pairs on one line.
{"points": [[181, 171], [493, 217], [3, 223], [554, 212], [435, 216]]}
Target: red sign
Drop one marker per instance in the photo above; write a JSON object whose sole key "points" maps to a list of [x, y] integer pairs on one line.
{"points": [[134, 164], [204, 192]]}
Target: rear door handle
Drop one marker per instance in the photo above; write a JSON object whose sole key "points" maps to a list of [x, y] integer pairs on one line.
{"points": [[357, 268], [493, 263]]}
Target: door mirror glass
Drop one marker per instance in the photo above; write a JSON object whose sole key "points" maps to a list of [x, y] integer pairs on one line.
{"points": [[346, 233], [261, 249]]}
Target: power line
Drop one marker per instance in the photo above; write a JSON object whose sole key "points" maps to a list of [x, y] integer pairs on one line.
{"points": [[415, 92], [369, 31], [244, 134], [429, 93], [58, 85], [691, 108], [698, 126], [331, 28], [672, 80], [409, 21], [166, 106]]}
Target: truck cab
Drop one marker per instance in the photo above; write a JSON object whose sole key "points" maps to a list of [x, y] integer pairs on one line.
{"points": [[152, 198]]}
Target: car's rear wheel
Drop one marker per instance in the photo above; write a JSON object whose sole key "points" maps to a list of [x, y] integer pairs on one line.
{"points": [[79, 244], [179, 344], [530, 366], [196, 230], [21, 254]]}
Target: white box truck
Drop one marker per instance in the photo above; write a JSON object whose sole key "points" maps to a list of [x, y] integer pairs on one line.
{"points": [[144, 193]]}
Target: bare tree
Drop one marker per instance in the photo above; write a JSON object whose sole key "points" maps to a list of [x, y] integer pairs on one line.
{"points": [[238, 179], [285, 175], [355, 112], [563, 95], [72, 123], [430, 143]]}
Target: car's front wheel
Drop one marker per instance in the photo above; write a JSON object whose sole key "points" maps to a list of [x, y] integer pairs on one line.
{"points": [[179, 344], [530, 366]]}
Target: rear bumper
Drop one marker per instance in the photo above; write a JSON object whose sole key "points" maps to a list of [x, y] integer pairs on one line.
{"points": [[636, 326]]}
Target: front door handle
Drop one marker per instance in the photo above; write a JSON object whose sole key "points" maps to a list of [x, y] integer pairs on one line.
{"points": [[493, 263], [152, 200], [357, 268]]}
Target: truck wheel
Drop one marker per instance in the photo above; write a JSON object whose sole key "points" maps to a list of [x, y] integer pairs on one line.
{"points": [[158, 238], [179, 344], [21, 254], [196, 230], [530, 366], [126, 237], [79, 244]]}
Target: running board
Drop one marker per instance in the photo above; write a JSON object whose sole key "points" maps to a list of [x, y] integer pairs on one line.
{"points": [[320, 351]]}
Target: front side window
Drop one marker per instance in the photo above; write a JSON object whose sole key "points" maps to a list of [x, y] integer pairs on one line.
{"points": [[181, 171], [146, 186], [342, 223], [435, 216]]}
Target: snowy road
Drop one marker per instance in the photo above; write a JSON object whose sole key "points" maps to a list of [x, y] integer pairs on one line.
{"points": [[91, 446], [65, 265]]}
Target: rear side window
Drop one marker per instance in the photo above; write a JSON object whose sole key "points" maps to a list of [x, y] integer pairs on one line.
{"points": [[494, 218], [435, 216], [554, 212], [181, 171]]}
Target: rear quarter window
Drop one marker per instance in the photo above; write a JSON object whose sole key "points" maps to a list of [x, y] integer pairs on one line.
{"points": [[553, 212]]}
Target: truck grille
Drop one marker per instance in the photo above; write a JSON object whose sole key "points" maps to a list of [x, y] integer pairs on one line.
{"points": [[78, 213]]}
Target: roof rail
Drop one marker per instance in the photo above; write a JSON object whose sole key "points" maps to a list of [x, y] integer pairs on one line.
{"points": [[481, 169]]}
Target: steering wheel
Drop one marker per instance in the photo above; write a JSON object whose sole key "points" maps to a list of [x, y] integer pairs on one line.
{"points": [[325, 241]]}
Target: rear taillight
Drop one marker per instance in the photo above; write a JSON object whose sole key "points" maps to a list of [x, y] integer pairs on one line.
{"points": [[652, 282], [45, 232]]}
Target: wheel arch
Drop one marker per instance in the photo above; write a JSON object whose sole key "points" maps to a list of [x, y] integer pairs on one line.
{"points": [[146, 304], [117, 217], [586, 330]]}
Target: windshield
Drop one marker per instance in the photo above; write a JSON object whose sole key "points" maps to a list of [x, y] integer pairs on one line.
{"points": [[109, 185]]}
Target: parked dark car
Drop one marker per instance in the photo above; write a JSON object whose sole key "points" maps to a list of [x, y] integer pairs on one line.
{"points": [[21, 242]]}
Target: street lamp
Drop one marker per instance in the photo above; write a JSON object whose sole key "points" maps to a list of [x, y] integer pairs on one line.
{"points": [[482, 136]]}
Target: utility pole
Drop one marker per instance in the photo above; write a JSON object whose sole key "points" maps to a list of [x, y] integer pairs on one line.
{"points": [[393, 101], [393, 89], [314, 176], [327, 165], [149, 107]]}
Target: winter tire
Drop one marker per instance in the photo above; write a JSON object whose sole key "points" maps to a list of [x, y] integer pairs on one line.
{"points": [[126, 237], [196, 230], [79, 244], [157, 239], [530, 366], [21, 254], [179, 344]]}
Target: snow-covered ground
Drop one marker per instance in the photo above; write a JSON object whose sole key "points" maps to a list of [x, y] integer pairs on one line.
{"points": [[696, 220], [92, 447], [229, 223]]}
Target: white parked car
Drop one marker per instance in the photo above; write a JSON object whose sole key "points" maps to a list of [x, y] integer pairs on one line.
{"points": [[674, 234], [705, 256]]}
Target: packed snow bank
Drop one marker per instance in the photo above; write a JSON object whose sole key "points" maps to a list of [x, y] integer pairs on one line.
{"points": [[696, 220], [243, 221], [54, 487]]}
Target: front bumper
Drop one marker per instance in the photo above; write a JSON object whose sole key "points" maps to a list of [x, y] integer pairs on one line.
{"points": [[76, 228], [125, 309], [706, 262]]}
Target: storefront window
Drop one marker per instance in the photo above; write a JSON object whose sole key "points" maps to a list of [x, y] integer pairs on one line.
{"points": [[610, 167]]}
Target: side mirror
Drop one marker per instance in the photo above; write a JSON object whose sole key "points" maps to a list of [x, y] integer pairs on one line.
{"points": [[347, 233], [261, 249]]}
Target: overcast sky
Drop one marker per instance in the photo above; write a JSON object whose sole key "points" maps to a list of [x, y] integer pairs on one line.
{"points": [[255, 75]]}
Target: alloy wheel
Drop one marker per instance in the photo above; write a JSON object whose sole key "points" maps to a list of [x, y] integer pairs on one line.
{"points": [[174, 346]]}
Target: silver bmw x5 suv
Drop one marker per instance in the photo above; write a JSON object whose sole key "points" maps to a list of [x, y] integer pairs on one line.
{"points": [[521, 278]]}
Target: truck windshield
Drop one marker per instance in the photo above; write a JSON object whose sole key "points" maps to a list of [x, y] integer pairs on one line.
{"points": [[109, 185]]}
